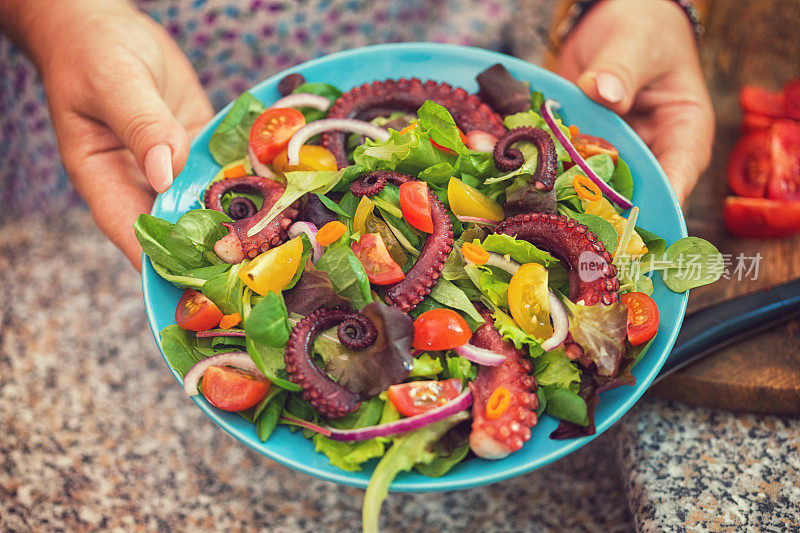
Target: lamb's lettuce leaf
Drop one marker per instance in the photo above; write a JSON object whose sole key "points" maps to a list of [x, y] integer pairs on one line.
{"points": [[229, 141]]}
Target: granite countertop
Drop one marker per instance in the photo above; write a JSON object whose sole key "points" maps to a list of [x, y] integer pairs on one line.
{"points": [[96, 435]]}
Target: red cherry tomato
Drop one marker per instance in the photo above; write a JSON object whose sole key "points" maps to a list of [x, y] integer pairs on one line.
{"points": [[761, 217], [231, 389], [272, 130], [754, 122], [440, 329], [381, 268], [791, 94], [587, 146], [195, 312], [418, 397], [416, 205], [750, 165], [642, 317], [761, 101], [784, 184]]}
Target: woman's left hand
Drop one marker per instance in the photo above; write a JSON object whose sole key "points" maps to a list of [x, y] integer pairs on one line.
{"points": [[639, 58]]}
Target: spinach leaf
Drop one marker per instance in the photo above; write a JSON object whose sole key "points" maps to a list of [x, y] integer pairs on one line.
{"points": [[151, 232], [268, 322], [566, 405], [322, 89], [270, 362], [446, 293], [225, 290], [178, 347], [443, 463], [688, 263], [192, 278], [267, 420], [229, 141], [333, 206], [602, 164], [621, 180], [602, 229], [347, 274]]}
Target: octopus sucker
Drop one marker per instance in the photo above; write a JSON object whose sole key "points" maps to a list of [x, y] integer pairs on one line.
{"points": [[237, 244], [420, 279], [495, 438], [381, 98], [592, 275]]}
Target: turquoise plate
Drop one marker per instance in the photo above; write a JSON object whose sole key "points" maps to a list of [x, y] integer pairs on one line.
{"points": [[458, 66]]}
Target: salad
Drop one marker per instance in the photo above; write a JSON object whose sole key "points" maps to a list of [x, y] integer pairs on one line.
{"points": [[412, 273]]}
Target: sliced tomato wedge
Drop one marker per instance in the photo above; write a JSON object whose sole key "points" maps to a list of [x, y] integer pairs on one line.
{"points": [[195, 312], [380, 267], [587, 146], [272, 130], [415, 203], [642, 317], [750, 165], [761, 218], [784, 184], [440, 329], [232, 389], [791, 95], [417, 397], [755, 122], [761, 101]]}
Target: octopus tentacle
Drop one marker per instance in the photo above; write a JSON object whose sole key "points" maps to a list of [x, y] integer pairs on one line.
{"points": [[325, 395], [381, 98], [508, 159], [495, 438], [241, 207], [420, 279], [592, 274], [273, 234]]}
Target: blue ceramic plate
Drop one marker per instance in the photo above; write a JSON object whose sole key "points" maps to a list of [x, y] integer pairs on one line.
{"points": [[458, 66]]}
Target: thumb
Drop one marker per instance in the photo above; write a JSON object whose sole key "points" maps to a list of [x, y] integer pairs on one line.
{"points": [[616, 71]]}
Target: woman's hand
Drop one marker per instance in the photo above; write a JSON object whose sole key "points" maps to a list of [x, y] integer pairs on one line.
{"points": [[124, 102], [638, 57]]}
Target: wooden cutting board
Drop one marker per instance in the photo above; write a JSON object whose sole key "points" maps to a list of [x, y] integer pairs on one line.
{"points": [[752, 42]]}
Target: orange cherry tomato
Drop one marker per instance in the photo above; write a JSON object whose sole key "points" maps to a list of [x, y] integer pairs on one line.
{"points": [[642, 317], [587, 146], [311, 158], [381, 268], [416, 205], [272, 130], [440, 329], [272, 270], [232, 389], [417, 397], [195, 312]]}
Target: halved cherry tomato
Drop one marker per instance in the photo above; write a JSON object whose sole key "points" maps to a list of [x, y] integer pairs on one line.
{"points": [[761, 101], [440, 329], [380, 267], [311, 158], [272, 270], [755, 122], [232, 389], [416, 205], [528, 300], [587, 146], [750, 165], [468, 201], [642, 317], [272, 130], [417, 397], [784, 184], [761, 217], [195, 312], [365, 221]]}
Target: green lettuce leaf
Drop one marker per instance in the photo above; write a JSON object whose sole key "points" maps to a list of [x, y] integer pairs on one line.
{"points": [[554, 369], [347, 274], [446, 293], [268, 321], [426, 366], [229, 141]]}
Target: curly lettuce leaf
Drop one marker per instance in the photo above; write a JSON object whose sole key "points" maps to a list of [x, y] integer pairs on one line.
{"points": [[351, 455], [426, 366], [554, 369], [601, 330]]}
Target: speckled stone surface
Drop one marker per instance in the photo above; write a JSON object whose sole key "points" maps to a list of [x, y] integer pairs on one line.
{"points": [[96, 434]]}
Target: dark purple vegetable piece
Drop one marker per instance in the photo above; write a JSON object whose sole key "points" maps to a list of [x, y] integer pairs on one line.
{"points": [[312, 291], [289, 83], [502, 91], [530, 200], [313, 210]]}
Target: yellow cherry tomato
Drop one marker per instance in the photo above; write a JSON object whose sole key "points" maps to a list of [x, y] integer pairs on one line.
{"points": [[468, 201], [311, 158], [365, 221], [272, 270], [604, 209], [528, 300]]}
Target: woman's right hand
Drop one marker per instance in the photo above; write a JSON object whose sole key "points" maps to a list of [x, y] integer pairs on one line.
{"points": [[124, 102]]}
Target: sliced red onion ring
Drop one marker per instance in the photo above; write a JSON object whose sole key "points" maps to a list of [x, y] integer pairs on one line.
{"points": [[311, 230], [463, 401], [240, 360], [560, 322], [261, 169], [220, 333], [480, 141], [342, 124], [614, 196], [482, 356], [477, 220], [296, 100]]}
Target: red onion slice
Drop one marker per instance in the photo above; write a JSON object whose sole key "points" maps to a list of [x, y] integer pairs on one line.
{"points": [[240, 360], [261, 169], [477, 220], [342, 124], [296, 100], [311, 230], [560, 322], [220, 333], [482, 356], [461, 402], [614, 196]]}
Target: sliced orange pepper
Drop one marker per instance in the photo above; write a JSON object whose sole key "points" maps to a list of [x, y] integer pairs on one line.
{"points": [[586, 188], [498, 403], [573, 130], [474, 253], [330, 232], [410, 127], [235, 172], [229, 321]]}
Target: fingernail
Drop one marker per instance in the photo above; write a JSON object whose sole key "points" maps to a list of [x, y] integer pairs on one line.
{"points": [[610, 87], [158, 167]]}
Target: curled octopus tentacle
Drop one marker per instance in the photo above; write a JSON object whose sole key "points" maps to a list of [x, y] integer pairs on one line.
{"points": [[592, 274], [507, 159], [382, 98], [355, 331], [420, 279], [237, 245]]}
